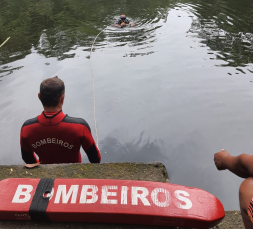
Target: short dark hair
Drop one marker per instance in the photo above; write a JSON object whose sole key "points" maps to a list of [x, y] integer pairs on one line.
{"points": [[51, 90]]}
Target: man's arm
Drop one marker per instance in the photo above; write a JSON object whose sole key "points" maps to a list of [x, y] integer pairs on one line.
{"points": [[118, 23], [241, 165], [130, 23], [89, 146], [93, 154], [27, 155]]}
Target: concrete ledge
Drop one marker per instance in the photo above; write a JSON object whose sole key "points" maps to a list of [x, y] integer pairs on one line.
{"points": [[233, 220], [153, 171]]}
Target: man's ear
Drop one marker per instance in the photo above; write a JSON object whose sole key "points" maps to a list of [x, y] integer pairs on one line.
{"points": [[39, 96], [62, 98]]}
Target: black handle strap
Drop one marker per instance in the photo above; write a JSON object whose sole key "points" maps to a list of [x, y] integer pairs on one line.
{"points": [[39, 203]]}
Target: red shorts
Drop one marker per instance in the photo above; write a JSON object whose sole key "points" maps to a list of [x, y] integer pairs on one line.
{"points": [[250, 210]]}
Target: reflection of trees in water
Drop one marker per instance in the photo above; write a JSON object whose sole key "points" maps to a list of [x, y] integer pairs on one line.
{"points": [[53, 27], [227, 27]]}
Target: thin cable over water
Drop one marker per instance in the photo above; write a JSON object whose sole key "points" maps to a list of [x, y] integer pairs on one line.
{"points": [[4, 42], [93, 80]]}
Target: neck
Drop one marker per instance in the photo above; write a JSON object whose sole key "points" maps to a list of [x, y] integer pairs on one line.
{"points": [[52, 109]]}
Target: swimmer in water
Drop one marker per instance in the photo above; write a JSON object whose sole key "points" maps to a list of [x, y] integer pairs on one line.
{"points": [[123, 21]]}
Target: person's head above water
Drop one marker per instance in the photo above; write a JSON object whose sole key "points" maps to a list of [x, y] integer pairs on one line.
{"points": [[123, 21], [52, 93], [123, 17]]}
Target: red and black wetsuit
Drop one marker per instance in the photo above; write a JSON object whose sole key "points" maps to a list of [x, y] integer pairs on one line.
{"points": [[57, 138]]}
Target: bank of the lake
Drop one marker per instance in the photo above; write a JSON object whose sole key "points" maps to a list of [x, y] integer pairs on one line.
{"points": [[154, 171]]}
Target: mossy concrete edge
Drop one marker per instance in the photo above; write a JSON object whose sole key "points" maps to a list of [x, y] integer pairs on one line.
{"points": [[153, 171]]}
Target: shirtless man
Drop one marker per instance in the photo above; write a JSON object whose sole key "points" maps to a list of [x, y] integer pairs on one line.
{"points": [[54, 136], [241, 166]]}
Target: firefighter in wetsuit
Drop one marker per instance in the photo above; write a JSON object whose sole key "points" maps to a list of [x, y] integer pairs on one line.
{"points": [[54, 136], [123, 21]]}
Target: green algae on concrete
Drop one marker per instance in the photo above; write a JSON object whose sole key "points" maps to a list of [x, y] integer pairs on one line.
{"points": [[154, 171]]}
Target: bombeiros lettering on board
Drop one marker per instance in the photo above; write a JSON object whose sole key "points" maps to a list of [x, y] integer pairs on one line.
{"points": [[51, 141], [89, 195]]}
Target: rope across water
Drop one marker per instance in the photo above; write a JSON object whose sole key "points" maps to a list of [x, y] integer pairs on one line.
{"points": [[4, 42], [93, 80]]}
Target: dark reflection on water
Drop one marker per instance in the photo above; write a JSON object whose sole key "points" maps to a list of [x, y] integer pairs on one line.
{"points": [[137, 150], [226, 27], [175, 88], [55, 27]]}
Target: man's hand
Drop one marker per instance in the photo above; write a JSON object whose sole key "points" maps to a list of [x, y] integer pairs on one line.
{"points": [[220, 159], [123, 24], [240, 165]]}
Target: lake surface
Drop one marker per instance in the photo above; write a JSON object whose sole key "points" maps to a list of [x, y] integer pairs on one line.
{"points": [[176, 88]]}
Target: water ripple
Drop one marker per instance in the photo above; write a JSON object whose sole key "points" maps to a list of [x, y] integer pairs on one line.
{"points": [[221, 29]]}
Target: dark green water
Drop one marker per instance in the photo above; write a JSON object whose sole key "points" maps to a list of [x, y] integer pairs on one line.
{"points": [[175, 88]]}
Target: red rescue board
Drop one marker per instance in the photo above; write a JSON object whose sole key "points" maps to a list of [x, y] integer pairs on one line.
{"points": [[114, 201]]}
